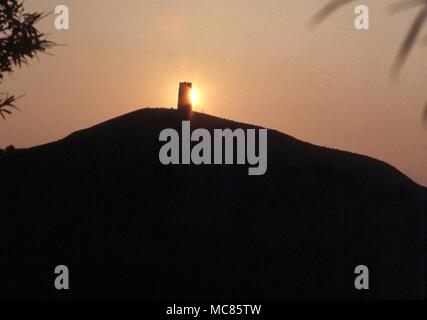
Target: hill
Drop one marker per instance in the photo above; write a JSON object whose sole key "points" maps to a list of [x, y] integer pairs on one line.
{"points": [[100, 202]]}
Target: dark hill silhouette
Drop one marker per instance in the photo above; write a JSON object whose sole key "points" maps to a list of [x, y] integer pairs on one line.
{"points": [[100, 202]]}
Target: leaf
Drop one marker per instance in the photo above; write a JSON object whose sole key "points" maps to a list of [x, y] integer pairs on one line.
{"points": [[410, 40], [328, 9], [425, 116]]}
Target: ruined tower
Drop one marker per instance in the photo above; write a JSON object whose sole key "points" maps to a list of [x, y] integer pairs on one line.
{"points": [[184, 98]]}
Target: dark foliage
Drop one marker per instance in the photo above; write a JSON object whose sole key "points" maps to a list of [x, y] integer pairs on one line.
{"points": [[10, 149], [425, 115], [413, 33], [411, 38], [20, 41]]}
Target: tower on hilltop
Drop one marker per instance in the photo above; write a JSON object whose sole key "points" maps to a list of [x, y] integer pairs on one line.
{"points": [[184, 98]]}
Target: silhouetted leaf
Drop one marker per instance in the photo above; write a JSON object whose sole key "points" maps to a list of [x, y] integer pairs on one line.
{"points": [[410, 40], [425, 116], [20, 41], [329, 9]]}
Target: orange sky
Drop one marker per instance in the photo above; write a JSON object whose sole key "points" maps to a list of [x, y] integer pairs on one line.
{"points": [[253, 61]]}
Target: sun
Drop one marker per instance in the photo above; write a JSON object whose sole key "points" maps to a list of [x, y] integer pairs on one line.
{"points": [[195, 96]]}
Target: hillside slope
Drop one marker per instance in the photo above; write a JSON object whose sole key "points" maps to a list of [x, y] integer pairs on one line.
{"points": [[100, 202]]}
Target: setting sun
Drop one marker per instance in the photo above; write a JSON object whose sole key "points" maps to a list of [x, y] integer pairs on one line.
{"points": [[195, 96]]}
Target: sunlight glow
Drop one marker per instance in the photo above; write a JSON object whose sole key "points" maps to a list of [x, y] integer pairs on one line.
{"points": [[195, 96]]}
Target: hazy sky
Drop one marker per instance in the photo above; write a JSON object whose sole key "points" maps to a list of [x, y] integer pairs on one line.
{"points": [[253, 61]]}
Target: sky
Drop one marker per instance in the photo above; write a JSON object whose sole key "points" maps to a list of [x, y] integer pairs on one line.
{"points": [[259, 62]]}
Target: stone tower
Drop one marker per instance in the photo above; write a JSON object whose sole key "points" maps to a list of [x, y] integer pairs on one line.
{"points": [[184, 98]]}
